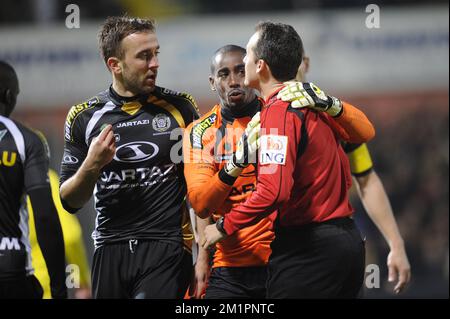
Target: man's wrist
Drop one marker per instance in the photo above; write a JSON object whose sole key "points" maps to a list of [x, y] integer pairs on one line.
{"points": [[397, 245], [219, 225], [336, 108], [203, 255], [91, 167], [230, 172], [226, 178]]}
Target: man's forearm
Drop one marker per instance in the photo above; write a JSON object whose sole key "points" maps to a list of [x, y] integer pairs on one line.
{"points": [[77, 190], [208, 194], [355, 124], [378, 207], [201, 225]]}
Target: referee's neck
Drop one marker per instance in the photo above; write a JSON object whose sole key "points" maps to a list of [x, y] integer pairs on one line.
{"points": [[269, 88]]}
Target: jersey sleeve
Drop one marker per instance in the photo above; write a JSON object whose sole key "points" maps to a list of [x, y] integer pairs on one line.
{"points": [[360, 159], [75, 148], [205, 191], [72, 233], [352, 125], [36, 163], [193, 112], [276, 164], [186, 107]]}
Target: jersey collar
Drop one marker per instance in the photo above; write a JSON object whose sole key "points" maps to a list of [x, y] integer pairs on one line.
{"points": [[251, 109], [120, 100], [273, 96]]}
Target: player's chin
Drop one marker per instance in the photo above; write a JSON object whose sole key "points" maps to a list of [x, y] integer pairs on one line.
{"points": [[236, 102], [237, 105], [148, 88]]}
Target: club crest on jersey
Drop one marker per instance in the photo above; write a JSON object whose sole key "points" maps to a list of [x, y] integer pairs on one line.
{"points": [[273, 149], [199, 129], [161, 122]]}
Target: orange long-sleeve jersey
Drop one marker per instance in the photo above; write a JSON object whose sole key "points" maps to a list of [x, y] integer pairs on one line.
{"points": [[208, 143]]}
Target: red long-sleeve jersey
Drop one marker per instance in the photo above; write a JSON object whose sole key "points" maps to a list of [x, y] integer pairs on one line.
{"points": [[303, 172]]}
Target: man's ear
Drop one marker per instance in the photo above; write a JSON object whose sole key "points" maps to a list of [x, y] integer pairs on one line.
{"points": [[211, 83], [114, 65], [8, 98], [306, 63], [261, 66]]}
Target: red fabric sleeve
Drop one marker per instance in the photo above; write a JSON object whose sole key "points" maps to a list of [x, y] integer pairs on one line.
{"points": [[274, 181]]}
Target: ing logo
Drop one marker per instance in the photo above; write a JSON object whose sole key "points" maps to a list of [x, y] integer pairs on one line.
{"points": [[273, 145], [273, 149]]}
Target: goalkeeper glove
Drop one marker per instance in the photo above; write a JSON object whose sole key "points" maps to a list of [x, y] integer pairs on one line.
{"points": [[246, 149], [309, 95]]}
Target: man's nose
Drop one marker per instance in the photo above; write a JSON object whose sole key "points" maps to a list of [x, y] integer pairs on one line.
{"points": [[234, 81], [153, 63]]}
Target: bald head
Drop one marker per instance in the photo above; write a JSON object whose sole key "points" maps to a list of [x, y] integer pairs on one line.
{"points": [[9, 88], [223, 50]]}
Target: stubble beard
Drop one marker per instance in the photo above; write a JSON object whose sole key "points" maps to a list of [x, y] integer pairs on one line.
{"points": [[132, 83]]}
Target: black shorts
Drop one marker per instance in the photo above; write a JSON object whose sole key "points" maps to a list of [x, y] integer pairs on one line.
{"points": [[143, 269], [25, 287], [323, 260], [237, 283]]}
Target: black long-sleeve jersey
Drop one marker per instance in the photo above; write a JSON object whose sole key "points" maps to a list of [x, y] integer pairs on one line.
{"points": [[23, 168], [140, 193]]}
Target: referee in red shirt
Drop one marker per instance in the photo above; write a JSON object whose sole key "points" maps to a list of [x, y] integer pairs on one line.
{"points": [[304, 175]]}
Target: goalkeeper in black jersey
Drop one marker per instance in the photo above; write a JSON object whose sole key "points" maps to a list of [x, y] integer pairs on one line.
{"points": [[124, 145]]}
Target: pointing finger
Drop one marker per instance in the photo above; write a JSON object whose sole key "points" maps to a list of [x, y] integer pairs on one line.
{"points": [[104, 132], [109, 139]]}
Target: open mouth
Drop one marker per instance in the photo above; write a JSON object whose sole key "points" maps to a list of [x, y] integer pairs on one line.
{"points": [[151, 78], [236, 94]]}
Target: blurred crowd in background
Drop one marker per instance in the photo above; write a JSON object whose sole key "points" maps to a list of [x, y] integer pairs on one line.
{"points": [[411, 156], [410, 151]]}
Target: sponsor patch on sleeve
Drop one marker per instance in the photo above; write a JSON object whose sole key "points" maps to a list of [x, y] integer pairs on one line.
{"points": [[72, 115], [273, 149], [199, 129]]}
